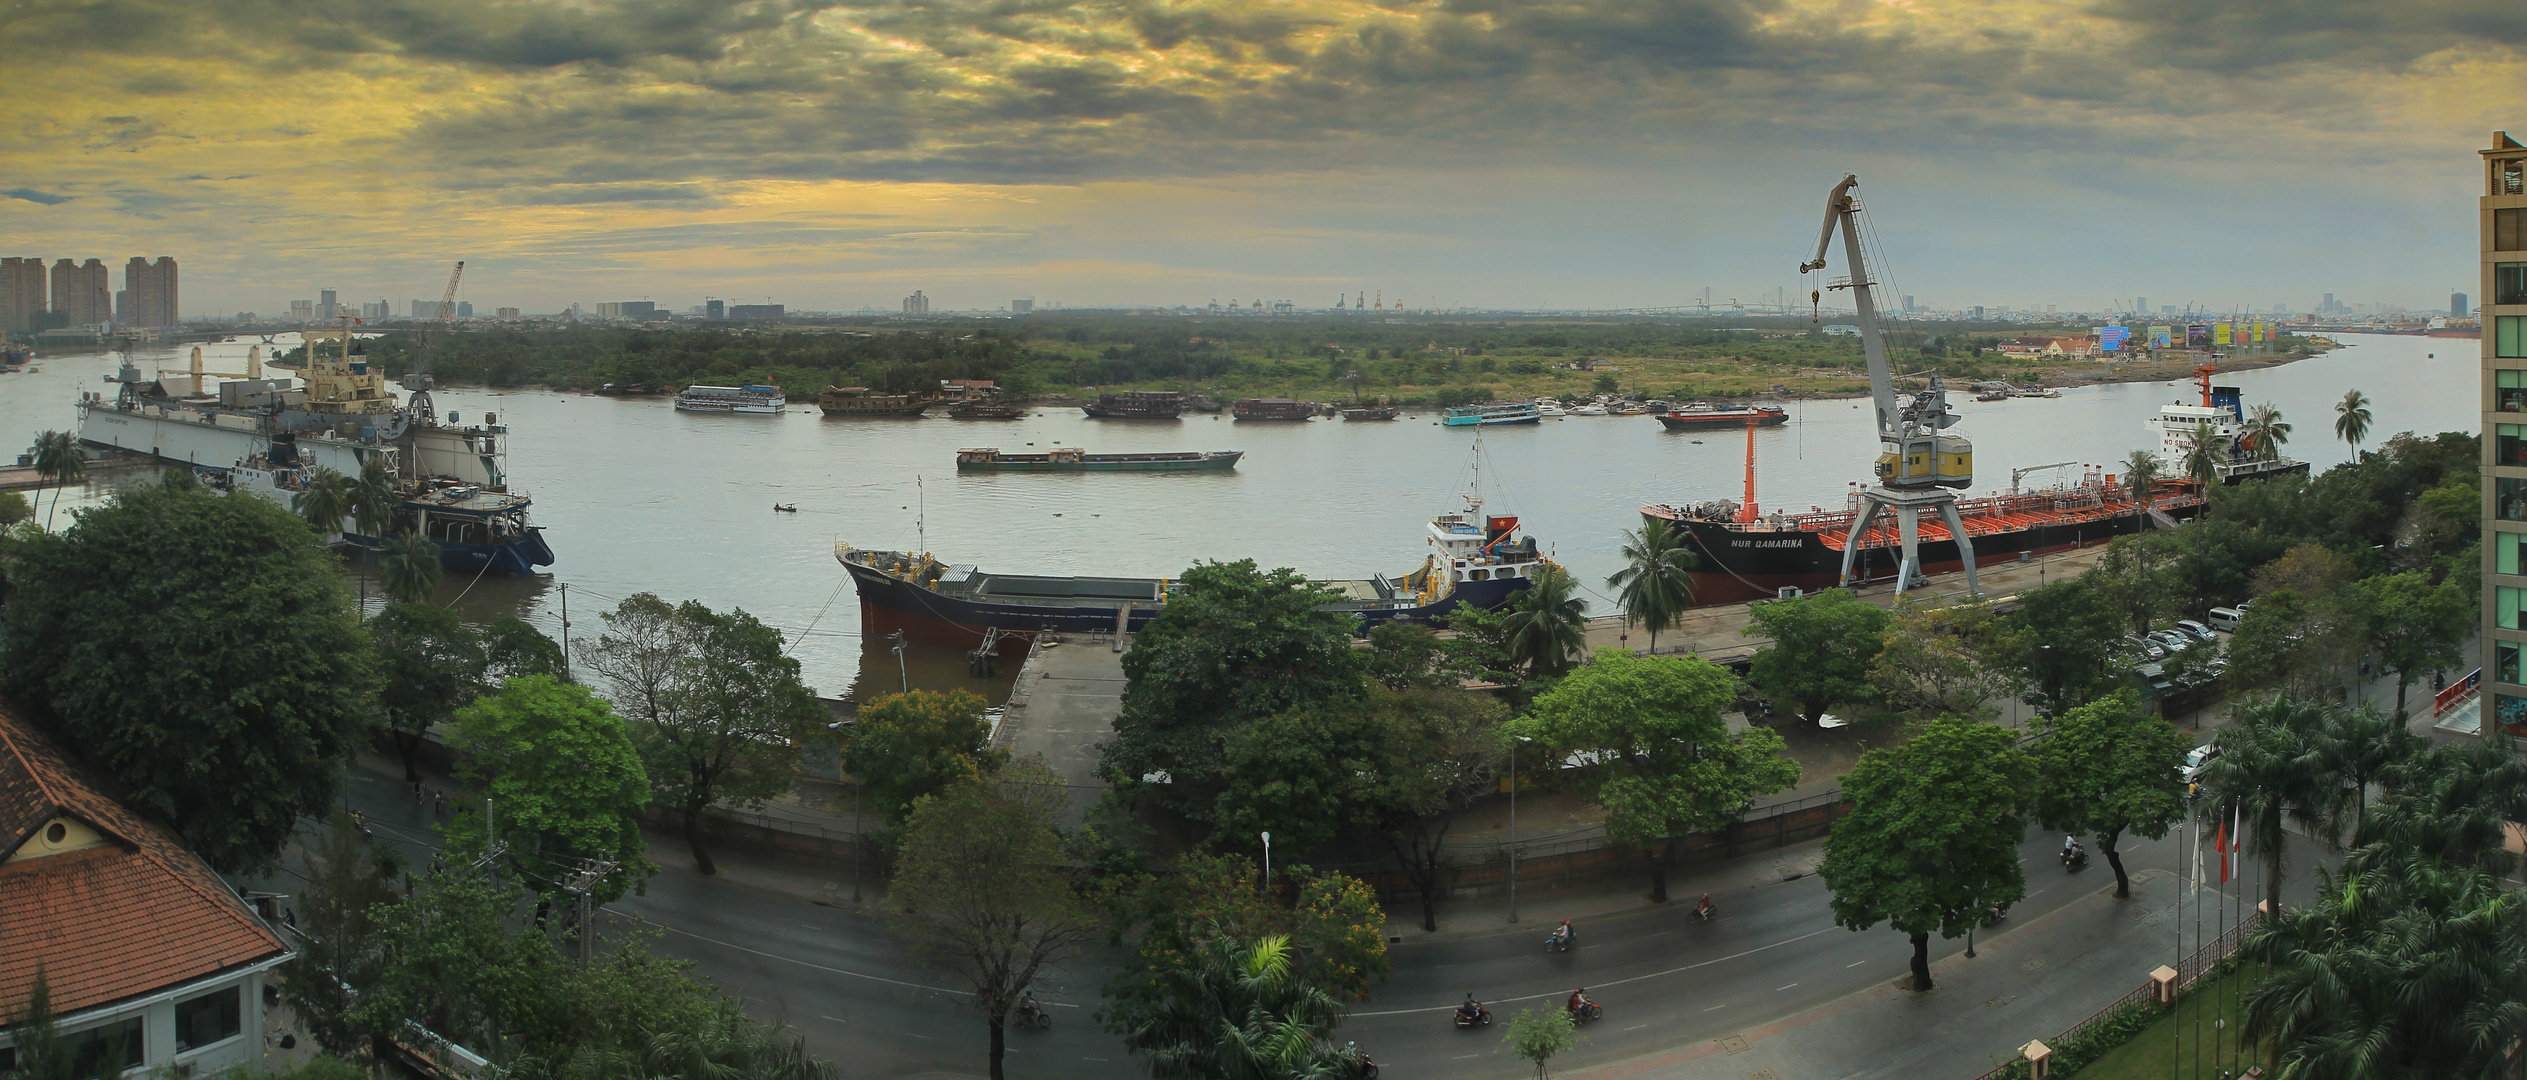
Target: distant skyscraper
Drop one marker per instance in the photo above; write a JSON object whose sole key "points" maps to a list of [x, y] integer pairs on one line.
{"points": [[2326, 308], [505, 313], [916, 304], [715, 309], [464, 309], [2457, 308], [326, 308], [1908, 303], [1978, 311], [303, 310], [21, 294], [151, 289], [1021, 307], [2141, 304], [82, 293]]}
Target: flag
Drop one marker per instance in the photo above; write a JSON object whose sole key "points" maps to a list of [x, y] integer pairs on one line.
{"points": [[2237, 833], [2220, 843]]}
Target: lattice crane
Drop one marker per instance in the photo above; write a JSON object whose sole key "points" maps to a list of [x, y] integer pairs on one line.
{"points": [[447, 300]]}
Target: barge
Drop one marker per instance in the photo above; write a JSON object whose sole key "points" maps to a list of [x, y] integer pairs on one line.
{"points": [[1137, 405], [1073, 459]]}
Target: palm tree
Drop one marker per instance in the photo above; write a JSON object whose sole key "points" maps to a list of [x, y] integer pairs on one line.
{"points": [[1652, 584], [1547, 626], [2203, 454], [2271, 773], [2140, 477], [372, 497], [2357, 747], [410, 568], [324, 501], [60, 459], [2268, 431], [2351, 419], [1239, 1012]]}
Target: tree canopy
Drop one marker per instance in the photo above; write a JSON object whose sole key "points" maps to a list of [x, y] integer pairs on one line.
{"points": [[1822, 646], [2107, 768], [565, 781], [430, 663], [905, 746], [203, 651]]}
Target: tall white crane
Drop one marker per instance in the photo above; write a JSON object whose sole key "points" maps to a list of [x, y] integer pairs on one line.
{"points": [[1917, 464]]}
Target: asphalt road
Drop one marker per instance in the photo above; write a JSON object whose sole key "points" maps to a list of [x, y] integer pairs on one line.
{"points": [[1665, 979]]}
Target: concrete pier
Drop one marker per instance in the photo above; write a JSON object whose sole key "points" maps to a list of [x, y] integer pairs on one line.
{"points": [[1063, 708]]}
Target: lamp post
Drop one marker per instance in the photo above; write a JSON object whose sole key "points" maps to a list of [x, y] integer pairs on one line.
{"points": [[1513, 824], [1267, 838], [904, 676]]}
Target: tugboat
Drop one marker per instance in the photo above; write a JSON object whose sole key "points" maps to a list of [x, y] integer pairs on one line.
{"points": [[1476, 559]]}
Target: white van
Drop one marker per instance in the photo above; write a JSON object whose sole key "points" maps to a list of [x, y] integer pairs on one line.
{"points": [[2225, 619]]}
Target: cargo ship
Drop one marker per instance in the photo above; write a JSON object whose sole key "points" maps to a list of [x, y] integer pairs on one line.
{"points": [[1493, 413], [1073, 459], [750, 400], [1272, 409], [858, 401], [1476, 560], [986, 410], [265, 435], [1137, 405], [1700, 416]]}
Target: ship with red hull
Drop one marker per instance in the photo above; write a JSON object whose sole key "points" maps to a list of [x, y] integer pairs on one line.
{"points": [[1701, 417]]}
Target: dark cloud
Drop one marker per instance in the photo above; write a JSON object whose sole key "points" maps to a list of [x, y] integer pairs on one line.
{"points": [[31, 195], [2253, 35]]}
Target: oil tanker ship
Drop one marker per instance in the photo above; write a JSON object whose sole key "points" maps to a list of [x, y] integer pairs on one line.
{"points": [[1476, 559]]}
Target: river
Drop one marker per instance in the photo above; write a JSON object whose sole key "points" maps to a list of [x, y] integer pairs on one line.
{"points": [[635, 496]]}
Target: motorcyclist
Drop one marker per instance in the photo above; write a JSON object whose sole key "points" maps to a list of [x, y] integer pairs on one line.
{"points": [[1027, 1005], [1579, 1001], [1472, 1009], [2070, 847], [1704, 908], [1565, 934]]}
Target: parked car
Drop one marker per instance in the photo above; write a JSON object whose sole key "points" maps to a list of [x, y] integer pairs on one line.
{"points": [[2172, 641], [2198, 759], [2149, 650], [2225, 618], [2198, 630]]}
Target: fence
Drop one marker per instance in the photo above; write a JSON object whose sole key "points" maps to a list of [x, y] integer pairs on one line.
{"points": [[2189, 971]]}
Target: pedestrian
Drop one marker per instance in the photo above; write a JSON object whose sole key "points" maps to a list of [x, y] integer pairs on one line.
{"points": [[416, 793], [438, 806], [290, 916]]}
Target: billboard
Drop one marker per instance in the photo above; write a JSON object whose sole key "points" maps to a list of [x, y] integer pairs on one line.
{"points": [[2220, 333], [2263, 331], [2110, 339], [2159, 337], [2197, 335]]}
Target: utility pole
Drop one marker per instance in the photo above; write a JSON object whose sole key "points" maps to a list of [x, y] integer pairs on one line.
{"points": [[565, 586]]}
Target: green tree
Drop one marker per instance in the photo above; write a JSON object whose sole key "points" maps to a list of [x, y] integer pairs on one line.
{"points": [[1334, 923], [1822, 646], [409, 568], [1234, 645], [1448, 748], [1653, 586], [1931, 843], [14, 509], [349, 879], [2141, 477], [2271, 773], [2107, 768], [512, 647], [565, 781], [1547, 626], [201, 650], [730, 740], [1234, 1010], [2140, 578], [324, 501], [429, 664], [61, 461], [454, 967], [2266, 432], [2068, 642], [1669, 766], [2415, 625], [905, 746], [1306, 777], [2351, 420], [1946, 660], [42, 1051], [2300, 644], [1539, 1034], [1404, 655], [980, 888], [371, 499]]}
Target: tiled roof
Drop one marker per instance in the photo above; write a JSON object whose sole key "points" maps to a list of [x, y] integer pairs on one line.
{"points": [[137, 915]]}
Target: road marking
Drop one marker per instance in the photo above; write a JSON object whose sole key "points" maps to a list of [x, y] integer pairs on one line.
{"points": [[1662, 933], [1779, 989], [837, 1019], [1854, 964], [1715, 1008], [921, 1036], [1091, 1059], [1467, 1057], [2033, 895], [818, 967], [1559, 993], [1636, 1027]]}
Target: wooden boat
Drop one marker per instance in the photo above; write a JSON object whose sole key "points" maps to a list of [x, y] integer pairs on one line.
{"points": [[858, 401], [986, 410], [1073, 459], [1137, 405], [1370, 412], [1272, 409]]}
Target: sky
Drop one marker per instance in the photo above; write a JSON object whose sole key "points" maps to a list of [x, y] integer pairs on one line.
{"points": [[833, 155]]}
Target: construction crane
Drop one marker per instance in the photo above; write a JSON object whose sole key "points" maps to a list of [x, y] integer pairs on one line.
{"points": [[447, 300]]}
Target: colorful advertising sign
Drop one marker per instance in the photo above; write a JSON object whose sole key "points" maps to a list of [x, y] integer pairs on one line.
{"points": [[2158, 337], [2198, 335], [2263, 331], [2110, 339], [2220, 333]]}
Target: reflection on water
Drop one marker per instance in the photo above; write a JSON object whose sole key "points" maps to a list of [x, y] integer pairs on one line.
{"points": [[635, 496]]}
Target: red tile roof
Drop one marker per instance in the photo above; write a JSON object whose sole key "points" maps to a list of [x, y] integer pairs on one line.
{"points": [[135, 916]]}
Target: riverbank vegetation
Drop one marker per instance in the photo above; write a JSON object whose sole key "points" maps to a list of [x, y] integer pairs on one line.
{"points": [[1421, 360]]}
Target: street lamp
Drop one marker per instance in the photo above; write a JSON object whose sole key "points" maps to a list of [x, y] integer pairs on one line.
{"points": [[1513, 824], [1267, 837], [904, 676]]}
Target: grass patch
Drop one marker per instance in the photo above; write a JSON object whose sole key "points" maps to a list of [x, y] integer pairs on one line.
{"points": [[2174, 1048]]}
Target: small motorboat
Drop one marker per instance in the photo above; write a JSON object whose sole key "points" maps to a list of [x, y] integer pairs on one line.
{"points": [[786, 508]]}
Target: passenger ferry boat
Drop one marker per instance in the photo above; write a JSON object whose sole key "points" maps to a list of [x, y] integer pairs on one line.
{"points": [[1476, 559], [761, 400], [1491, 413]]}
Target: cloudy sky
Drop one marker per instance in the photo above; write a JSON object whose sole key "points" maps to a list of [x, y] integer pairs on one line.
{"points": [[1582, 153]]}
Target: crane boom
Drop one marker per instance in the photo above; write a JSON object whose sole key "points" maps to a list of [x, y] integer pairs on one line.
{"points": [[447, 300], [1839, 208]]}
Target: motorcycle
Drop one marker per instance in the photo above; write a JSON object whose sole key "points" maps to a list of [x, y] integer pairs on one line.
{"points": [[1585, 1011], [1480, 1017], [1361, 1066], [2075, 859], [1558, 941], [1706, 910], [1031, 1015]]}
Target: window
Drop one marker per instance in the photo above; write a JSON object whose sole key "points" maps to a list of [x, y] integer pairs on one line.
{"points": [[207, 1019], [2509, 553], [2509, 444], [2505, 661], [2509, 712], [2509, 498], [2509, 391], [2506, 231], [2505, 602], [110, 1049], [2509, 335], [2509, 283]]}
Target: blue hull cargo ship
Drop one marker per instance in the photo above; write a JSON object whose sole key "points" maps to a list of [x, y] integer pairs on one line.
{"points": [[1476, 560]]}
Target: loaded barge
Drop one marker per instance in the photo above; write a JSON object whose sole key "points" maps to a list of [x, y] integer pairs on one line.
{"points": [[1073, 459]]}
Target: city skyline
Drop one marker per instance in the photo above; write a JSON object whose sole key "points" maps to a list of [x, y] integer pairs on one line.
{"points": [[1594, 155]]}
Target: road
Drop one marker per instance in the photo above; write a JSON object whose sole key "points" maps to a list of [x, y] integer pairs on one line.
{"points": [[841, 977]]}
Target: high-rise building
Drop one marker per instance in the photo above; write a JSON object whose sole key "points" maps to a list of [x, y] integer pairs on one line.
{"points": [[2503, 277], [1978, 311], [2326, 307], [1021, 307], [504, 313], [464, 309], [2457, 308], [610, 311], [2141, 305], [82, 293], [21, 294], [714, 309], [376, 312], [302, 311], [916, 304], [152, 299], [326, 308]]}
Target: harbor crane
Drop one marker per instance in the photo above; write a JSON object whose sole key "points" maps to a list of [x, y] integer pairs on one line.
{"points": [[1918, 465], [447, 300]]}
